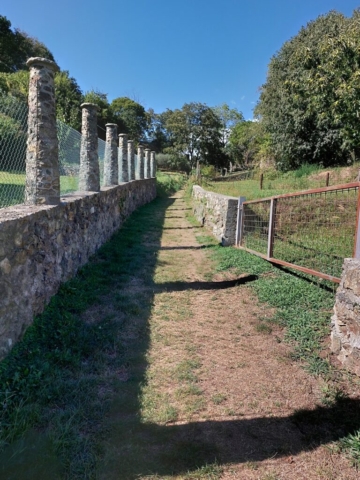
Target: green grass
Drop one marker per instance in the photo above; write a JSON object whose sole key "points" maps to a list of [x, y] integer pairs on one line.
{"points": [[277, 183], [168, 183], [57, 383]]}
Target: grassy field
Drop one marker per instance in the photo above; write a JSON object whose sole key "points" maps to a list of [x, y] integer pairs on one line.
{"points": [[277, 183]]}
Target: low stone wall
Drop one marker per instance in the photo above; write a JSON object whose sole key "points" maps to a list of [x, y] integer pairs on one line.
{"points": [[345, 335], [217, 212], [43, 246]]}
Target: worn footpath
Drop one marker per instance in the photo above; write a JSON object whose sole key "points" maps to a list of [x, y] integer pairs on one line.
{"points": [[209, 395]]}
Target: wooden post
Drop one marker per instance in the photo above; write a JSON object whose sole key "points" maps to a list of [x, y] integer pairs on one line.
{"points": [[327, 179], [261, 181], [271, 228], [356, 253]]}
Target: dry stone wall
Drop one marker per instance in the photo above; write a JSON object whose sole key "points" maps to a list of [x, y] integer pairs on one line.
{"points": [[345, 335], [42, 246], [217, 212]]}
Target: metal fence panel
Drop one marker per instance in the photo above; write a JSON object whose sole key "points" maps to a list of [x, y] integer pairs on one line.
{"points": [[312, 231]]}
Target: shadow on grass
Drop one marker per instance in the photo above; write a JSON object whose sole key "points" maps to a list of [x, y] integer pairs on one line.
{"points": [[179, 449], [76, 381]]}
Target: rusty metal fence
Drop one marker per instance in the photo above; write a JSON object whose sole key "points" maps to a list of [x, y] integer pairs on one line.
{"points": [[311, 231]]}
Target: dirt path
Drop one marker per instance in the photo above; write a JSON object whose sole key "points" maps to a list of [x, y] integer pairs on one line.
{"points": [[212, 397]]}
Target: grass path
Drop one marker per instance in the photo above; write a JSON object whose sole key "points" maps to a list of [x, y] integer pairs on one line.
{"points": [[213, 396], [175, 374]]}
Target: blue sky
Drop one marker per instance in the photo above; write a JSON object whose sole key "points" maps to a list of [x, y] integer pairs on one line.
{"points": [[164, 53]]}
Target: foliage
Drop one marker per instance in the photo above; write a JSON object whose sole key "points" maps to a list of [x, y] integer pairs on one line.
{"points": [[194, 132], [130, 117], [310, 101], [104, 113], [249, 144], [17, 46], [68, 99], [229, 119], [172, 162], [167, 184]]}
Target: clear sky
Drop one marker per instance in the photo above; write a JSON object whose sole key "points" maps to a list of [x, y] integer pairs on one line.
{"points": [[164, 53]]}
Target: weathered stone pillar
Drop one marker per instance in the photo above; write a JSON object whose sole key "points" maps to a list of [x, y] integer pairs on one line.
{"points": [[89, 175], [131, 160], [140, 169], [147, 163], [111, 174], [123, 158], [42, 154], [152, 165]]}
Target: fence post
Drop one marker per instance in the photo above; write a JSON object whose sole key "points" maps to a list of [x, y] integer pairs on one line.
{"points": [[42, 154], [140, 169], [111, 173], [327, 179], [271, 228], [152, 165], [356, 253], [131, 159], [147, 173], [89, 174], [123, 158], [261, 181], [239, 222]]}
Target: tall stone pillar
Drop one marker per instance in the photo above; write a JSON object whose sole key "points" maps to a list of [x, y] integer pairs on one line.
{"points": [[131, 160], [147, 163], [89, 175], [152, 165], [140, 155], [111, 168], [42, 154], [123, 158]]}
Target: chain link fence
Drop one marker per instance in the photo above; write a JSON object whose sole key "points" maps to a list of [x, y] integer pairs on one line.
{"points": [[13, 136]]}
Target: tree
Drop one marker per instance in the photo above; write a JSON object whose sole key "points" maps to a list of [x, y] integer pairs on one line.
{"points": [[17, 46], [131, 117], [68, 99], [229, 118], [104, 113], [310, 102], [249, 144], [194, 131]]}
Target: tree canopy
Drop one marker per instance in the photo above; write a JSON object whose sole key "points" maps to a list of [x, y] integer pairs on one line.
{"points": [[17, 46], [310, 103]]}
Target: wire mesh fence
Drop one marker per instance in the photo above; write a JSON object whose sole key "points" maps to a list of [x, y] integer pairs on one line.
{"points": [[312, 231], [13, 135]]}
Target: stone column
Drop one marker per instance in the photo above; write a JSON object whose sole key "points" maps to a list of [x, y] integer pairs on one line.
{"points": [[89, 175], [123, 158], [111, 156], [152, 165], [42, 154], [131, 160], [147, 163], [140, 155]]}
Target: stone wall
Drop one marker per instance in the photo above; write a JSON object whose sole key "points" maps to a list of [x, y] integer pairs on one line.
{"points": [[44, 245], [345, 335], [217, 212]]}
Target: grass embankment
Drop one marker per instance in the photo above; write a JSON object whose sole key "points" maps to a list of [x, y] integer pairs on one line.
{"points": [[277, 183]]}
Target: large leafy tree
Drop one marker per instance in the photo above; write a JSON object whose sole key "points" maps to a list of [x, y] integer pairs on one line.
{"points": [[310, 103], [17, 46], [195, 132], [131, 117]]}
